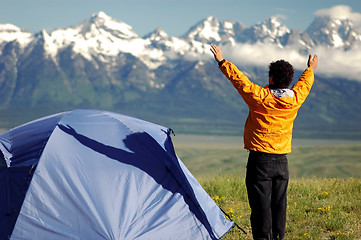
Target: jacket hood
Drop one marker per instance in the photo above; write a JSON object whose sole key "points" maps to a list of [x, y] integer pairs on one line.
{"points": [[283, 96]]}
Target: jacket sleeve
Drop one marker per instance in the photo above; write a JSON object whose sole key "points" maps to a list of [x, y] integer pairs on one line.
{"points": [[248, 90], [303, 86]]}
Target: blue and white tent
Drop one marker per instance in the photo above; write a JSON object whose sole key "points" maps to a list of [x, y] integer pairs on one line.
{"points": [[88, 174]]}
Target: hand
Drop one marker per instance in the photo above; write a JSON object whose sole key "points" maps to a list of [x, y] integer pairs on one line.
{"points": [[312, 62], [216, 52]]}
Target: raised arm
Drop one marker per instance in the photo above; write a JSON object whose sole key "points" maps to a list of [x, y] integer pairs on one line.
{"points": [[247, 89], [304, 84]]}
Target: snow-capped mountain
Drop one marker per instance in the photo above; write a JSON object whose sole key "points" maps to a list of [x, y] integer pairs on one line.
{"points": [[214, 30], [269, 31], [101, 36], [102, 62], [333, 32]]}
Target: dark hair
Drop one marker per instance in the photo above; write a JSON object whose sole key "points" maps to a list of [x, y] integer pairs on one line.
{"points": [[282, 74]]}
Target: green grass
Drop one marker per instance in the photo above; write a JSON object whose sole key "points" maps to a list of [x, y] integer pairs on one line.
{"points": [[318, 208], [324, 194]]}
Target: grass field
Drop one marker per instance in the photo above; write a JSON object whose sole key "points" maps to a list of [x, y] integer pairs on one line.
{"points": [[318, 208], [212, 155], [324, 195]]}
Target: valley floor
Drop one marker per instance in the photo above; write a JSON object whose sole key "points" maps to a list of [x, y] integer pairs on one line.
{"points": [[206, 155]]}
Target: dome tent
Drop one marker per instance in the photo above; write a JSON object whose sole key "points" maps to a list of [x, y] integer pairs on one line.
{"points": [[88, 174]]}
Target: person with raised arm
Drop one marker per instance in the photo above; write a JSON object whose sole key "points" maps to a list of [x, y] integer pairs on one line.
{"points": [[267, 136]]}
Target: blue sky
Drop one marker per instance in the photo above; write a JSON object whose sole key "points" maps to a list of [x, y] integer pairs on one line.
{"points": [[173, 16]]}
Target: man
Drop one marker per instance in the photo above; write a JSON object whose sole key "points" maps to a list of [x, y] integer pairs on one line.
{"points": [[268, 135]]}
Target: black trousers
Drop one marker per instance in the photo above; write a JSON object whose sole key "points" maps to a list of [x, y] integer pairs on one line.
{"points": [[267, 181]]}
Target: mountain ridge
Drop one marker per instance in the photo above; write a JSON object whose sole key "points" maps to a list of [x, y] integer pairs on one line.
{"points": [[105, 35], [102, 63]]}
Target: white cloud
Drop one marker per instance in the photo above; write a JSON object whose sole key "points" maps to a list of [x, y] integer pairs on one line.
{"points": [[332, 62], [336, 62], [261, 54], [342, 12]]}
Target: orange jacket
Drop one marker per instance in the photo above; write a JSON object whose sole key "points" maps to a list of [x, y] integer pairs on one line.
{"points": [[271, 112]]}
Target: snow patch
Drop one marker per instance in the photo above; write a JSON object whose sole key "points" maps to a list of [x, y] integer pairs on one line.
{"points": [[337, 40], [10, 32]]}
